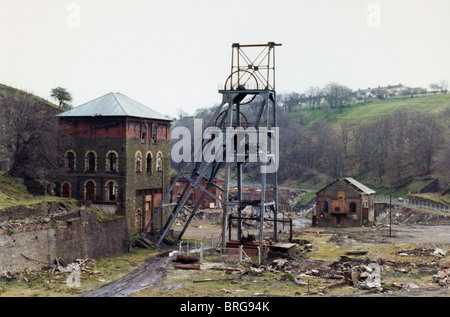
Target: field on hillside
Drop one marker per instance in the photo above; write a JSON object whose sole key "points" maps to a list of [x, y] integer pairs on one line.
{"points": [[365, 112], [5, 90]]}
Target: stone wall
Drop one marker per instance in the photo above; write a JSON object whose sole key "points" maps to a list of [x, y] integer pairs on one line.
{"points": [[32, 245]]}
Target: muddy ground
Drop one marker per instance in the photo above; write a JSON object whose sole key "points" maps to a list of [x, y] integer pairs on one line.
{"points": [[413, 260]]}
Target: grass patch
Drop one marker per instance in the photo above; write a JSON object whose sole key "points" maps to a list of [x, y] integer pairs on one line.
{"points": [[14, 193], [357, 112], [306, 199], [437, 198]]}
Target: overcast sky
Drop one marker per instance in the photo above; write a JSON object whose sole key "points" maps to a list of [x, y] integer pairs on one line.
{"points": [[173, 54]]}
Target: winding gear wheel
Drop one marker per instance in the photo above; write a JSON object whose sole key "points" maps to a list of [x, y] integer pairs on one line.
{"points": [[219, 117], [240, 80]]}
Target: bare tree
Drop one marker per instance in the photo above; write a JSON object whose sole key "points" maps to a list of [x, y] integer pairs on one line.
{"points": [[442, 166], [30, 135], [434, 87], [291, 101], [337, 95], [425, 136], [314, 96]]}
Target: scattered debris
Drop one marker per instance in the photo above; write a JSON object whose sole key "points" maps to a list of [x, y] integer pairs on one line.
{"points": [[356, 252], [298, 281], [422, 252], [443, 276], [62, 266], [186, 259], [187, 266], [439, 252], [288, 249]]}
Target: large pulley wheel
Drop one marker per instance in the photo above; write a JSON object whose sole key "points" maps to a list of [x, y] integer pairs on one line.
{"points": [[243, 80], [219, 117]]}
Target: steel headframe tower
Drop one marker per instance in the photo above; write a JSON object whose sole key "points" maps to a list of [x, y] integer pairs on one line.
{"points": [[251, 84]]}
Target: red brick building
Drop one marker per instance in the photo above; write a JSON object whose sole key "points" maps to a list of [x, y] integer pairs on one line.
{"points": [[345, 203], [208, 200], [116, 155]]}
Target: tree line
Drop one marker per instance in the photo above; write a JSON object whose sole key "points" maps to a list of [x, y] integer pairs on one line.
{"points": [[335, 95], [391, 148]]}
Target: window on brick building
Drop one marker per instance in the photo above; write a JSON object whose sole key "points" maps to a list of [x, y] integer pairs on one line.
{"points": [[352, 207], [111, 191], [325, 206], [138, 162], [159, 162], [149, 162], [112, 162], [91, 162], [143, 133], [155, 134], [89, 190], [65, 190], [70, 161]]}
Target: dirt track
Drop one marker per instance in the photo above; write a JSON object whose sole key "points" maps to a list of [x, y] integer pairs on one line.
{"points": [[151, 273]]}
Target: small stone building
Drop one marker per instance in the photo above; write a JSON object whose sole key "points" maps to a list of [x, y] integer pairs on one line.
{"points": [[346, 203], [116, 156]]}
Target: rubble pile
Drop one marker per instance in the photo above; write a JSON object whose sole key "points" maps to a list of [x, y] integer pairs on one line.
{"points": [[443, 276], [422, 252], [406, 215], [81, 265]]}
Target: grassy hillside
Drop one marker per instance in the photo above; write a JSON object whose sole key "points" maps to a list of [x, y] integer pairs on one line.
{"points": [[5, 90], [366, 112], [14, 193]]}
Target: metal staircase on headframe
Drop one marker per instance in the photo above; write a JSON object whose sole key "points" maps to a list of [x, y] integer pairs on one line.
{"points": [[251, 83]]}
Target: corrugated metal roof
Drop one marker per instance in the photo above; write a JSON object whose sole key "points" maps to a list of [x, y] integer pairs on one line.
{"points": [[114, 104], [360, 186]]}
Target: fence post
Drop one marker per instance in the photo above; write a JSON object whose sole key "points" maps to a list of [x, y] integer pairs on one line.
{"points": [[240, 254], [259, 255], [201, 251]]}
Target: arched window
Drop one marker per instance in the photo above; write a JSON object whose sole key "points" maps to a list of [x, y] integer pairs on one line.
{"points": [[65, 190], [352, 207], [111, 161], [89, 190], [138, 162], [159, 162], [325, 206], [111, 190], [149, 162], [91, 161], [70, 160]]}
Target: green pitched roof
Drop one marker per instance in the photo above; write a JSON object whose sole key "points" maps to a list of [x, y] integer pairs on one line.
{"points": [[111, 105]]}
